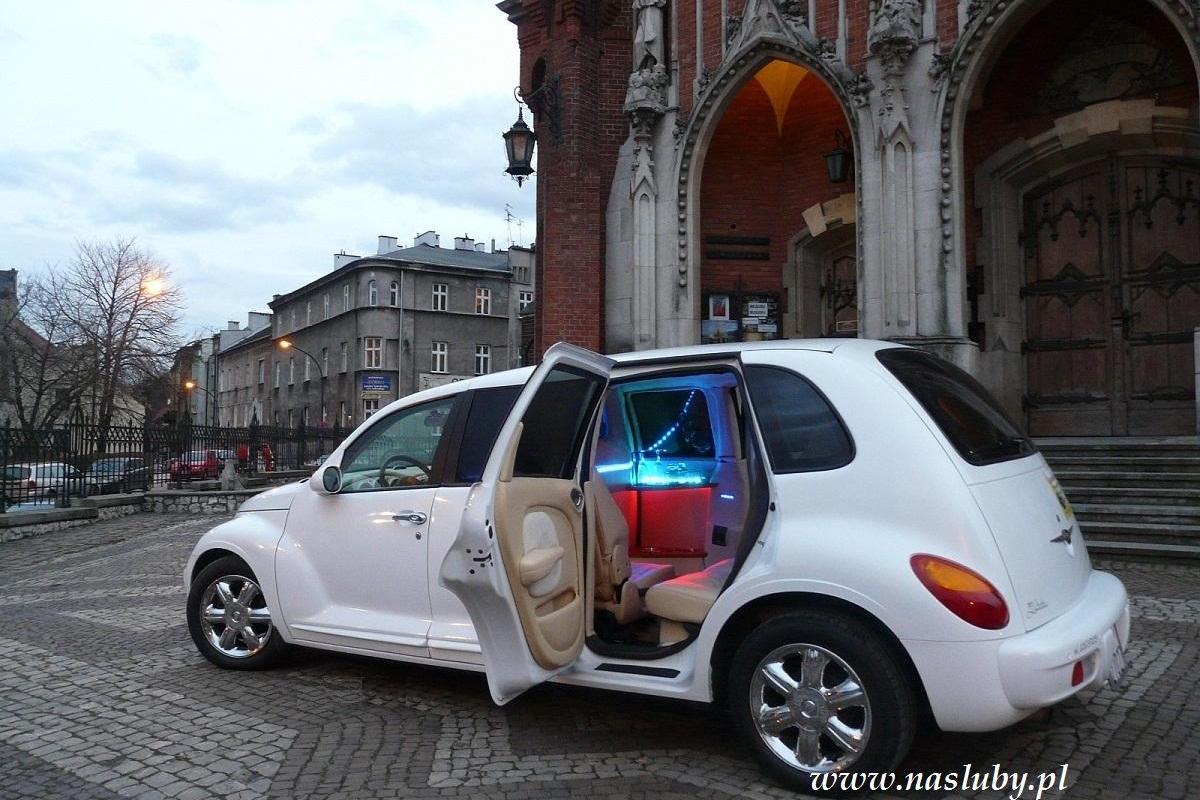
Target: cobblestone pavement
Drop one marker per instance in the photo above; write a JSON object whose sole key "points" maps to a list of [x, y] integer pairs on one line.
{"points": [[103, 696]]}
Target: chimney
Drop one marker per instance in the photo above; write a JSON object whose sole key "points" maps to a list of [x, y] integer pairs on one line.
{"points": [[386, 245], [464, 243], [429, 239], [342, 259], [234, 325], [480, 247]]}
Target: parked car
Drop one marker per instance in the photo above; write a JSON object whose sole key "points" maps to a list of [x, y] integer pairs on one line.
{"points": [[199, 464], [48, 480], [834, 537], [118, 474], [15, 485]]}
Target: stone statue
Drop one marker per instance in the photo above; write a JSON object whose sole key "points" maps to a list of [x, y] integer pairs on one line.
{"points": [[895, 33], [648, 37], [647, 90]]}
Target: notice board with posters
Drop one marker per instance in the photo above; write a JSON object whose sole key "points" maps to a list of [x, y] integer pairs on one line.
{"points": [[739, 317]]}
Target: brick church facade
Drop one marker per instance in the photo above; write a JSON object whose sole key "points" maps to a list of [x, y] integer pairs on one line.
{"points": [[1014, 184]]}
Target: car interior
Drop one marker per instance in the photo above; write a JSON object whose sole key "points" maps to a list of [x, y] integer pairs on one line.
{"points": [[670, 501]]}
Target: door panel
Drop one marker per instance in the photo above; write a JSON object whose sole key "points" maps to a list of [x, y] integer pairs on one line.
{"points": [[1111, 299], [839, 288], [1162, 294], [517, 562]]}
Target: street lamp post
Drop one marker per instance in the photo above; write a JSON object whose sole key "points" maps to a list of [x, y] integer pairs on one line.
{"points": [[190, 385], [286, 344]]}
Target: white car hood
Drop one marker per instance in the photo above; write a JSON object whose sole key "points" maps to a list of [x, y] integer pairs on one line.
{"points": [[277, 499]]}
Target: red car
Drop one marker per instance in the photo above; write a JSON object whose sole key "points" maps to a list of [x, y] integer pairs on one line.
{"points": [[197, 464]]}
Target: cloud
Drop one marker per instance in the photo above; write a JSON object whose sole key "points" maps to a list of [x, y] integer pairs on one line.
{"points": [[182, 54], [451, 155]]}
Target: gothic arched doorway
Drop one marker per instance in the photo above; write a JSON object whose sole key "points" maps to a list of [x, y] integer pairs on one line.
{"points": [[766, 177]]}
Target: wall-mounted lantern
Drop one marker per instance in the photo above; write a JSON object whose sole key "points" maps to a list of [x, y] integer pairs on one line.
{"points": [[837, 161], [519, 142]]}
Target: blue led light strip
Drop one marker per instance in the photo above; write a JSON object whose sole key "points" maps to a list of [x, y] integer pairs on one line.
{"points": [[678, 421]]}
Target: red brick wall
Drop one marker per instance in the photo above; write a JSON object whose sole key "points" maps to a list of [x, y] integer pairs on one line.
{"points": [[757, 182], [1004, 110]]}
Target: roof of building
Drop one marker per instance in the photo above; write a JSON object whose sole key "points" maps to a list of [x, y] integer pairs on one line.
{"points": [[427, 255], [446, 257], [254, 338]]}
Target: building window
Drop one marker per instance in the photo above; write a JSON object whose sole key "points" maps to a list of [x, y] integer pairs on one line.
{"points": [[438, 356], [483, 301], [289, 424], [293, 318], [325, 302], [304, 417], [526, 300], [291, 375], [324, 413], [372, 352], [346, 297], [370, 406], [275, 417], [372, 293], [394, 294], [441, 297], [324, 366], [345, 356], [342, 418], [483, 359], [308, 313], [278, 372], [307, 370]]}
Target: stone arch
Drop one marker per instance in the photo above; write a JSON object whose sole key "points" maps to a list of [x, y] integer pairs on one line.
{"points": [[850, 91], [991, 27]]}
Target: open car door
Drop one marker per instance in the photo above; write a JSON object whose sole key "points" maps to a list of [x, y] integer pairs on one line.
{"points": [[518, 562]]}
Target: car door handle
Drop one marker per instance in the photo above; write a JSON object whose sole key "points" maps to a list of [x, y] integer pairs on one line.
{"points": [[412, 517]]}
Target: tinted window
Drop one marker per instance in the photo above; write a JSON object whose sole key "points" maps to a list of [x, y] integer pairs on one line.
{"points": [[673, 423], [398, 451], [969, 417], [489, 409], [801, 430], [555, 424]]}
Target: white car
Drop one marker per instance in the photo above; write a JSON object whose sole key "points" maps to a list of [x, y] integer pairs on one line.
{"points": [[835, 537]]}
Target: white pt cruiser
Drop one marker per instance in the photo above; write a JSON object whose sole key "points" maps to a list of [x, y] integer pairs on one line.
{"points": [[834, 537]]}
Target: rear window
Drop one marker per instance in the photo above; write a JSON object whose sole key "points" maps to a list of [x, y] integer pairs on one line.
{"points": [[969, 417], [672, 423], [801, 430], [489, 409], [16, 473]]}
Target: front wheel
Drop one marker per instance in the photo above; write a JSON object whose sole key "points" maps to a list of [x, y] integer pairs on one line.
{"points": [[819, 693], [229, 619]]}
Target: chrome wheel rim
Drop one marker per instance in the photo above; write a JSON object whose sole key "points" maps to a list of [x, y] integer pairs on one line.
{"points": [[810, 708], [234, 616]]}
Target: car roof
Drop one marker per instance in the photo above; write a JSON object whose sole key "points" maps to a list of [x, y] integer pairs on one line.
{"points": [[847, 348]]}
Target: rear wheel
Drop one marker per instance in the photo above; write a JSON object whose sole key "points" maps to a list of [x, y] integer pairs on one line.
{"points": [[229, 619], [819, 692]]}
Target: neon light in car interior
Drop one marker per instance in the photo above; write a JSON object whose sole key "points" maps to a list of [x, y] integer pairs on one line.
{"points": [[678, 421], [605, 469]]}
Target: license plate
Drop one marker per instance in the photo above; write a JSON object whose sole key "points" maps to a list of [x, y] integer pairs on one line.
{"points": [[1116, 667]]}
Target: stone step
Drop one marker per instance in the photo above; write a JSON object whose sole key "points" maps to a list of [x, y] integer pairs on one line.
{"points": [[1136, 532], [1093, 514], [1174, 552], [1155, 496], [1106, 463], [1072, 478]]}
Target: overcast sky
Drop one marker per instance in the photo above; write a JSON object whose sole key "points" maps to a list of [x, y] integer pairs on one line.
{"points": [[246, 142]]}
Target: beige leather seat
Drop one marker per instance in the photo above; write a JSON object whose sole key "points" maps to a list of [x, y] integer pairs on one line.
{"points": [[619, 582], [689, 597]]}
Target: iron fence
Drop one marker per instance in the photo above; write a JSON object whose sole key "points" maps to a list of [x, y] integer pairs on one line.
{"points": [[50, 466]]}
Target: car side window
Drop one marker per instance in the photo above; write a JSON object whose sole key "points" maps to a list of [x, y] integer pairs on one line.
{"points": [[489, 410], [555, 424], [801, 430], [398, 452]]}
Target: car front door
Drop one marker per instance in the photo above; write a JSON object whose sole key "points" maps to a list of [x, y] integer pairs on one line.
{"points": [[351, 567], [517, 563]]}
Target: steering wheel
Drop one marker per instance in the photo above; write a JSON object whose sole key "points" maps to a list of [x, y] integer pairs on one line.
{"points": [[412, 462]]}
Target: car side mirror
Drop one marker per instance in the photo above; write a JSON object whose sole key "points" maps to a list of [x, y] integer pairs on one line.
{"points": [[331, 480]]}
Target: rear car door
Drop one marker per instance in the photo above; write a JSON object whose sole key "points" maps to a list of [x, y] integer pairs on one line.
{"points": [[517, 563]]}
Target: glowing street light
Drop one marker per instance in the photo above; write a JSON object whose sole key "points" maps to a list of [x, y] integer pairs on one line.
{"points": [[287, 344]]}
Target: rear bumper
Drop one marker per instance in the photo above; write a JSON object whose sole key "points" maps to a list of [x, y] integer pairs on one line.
{"points": [[987, 685]]}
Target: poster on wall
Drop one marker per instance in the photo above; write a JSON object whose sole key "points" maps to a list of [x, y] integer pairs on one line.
{"points": [[719, 331], [760, 316], [718, 307]]}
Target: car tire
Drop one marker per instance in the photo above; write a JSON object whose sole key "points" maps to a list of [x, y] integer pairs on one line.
{"points": [[229, 622], [819, 658]]}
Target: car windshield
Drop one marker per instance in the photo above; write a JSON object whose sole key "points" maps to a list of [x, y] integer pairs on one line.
{"points": [[197, 455], [969, 417], [108, 465]]}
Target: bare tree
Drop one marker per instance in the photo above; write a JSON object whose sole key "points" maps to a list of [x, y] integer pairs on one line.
{"points": [[125, 311], [43, 363]]}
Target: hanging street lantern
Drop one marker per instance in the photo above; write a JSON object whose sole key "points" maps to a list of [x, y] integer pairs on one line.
{"points": [[520, 141], [837, 161]]}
